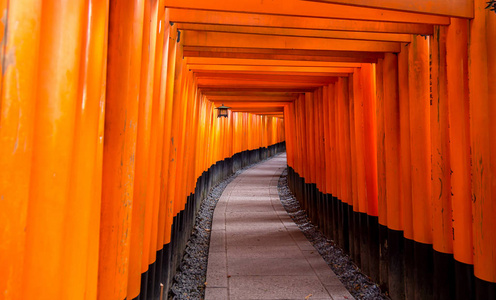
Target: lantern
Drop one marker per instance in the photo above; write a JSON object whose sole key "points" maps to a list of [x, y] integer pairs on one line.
{"points": [[222, 111]]}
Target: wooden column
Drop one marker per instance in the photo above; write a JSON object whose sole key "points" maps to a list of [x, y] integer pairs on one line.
{"points": [[420, 144], [18, 101], [49, 243]]}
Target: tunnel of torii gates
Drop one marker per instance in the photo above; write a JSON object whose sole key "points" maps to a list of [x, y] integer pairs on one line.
{"points": [[110, 137]]}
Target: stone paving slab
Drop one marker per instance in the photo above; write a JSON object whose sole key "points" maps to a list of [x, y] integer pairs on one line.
{"points": [[257, 251]]}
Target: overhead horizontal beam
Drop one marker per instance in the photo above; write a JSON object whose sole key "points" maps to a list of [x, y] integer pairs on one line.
{"points": [[349, 35], [233, 40], [267, 78], [266, 62], [237, 90], [248, 93], [235, 105], [283, 54], [234, 98], [239, 83], [308, 9], [329, 70], [274, 21], [271, 114], [452, 8], [199, 73], [257, 109]]}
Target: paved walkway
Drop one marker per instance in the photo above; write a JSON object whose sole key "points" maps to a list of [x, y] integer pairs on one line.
{"points": [[257, 251]]}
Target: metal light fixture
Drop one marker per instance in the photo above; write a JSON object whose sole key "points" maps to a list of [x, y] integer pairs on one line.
{"points": [[222, 111]]}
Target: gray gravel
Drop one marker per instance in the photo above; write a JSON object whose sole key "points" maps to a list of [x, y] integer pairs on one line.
{"points": [[357, 283]]}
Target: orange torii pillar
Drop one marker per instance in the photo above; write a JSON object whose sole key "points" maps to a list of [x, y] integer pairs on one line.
{"points": [[482, 86], [310, 178], [17, 121], [327, 165], [364, 93], [142, 178], [59, 238], [392, 164], [381, 175], [346, 189], [154, 216], [420, 144], [461, 186], [353, 205], [443, 272], [339, 100], [370, 162], [165, 202], [320, 160], [120, 145], [360, 219], [405, 167], [302, 170], [335, 165]]}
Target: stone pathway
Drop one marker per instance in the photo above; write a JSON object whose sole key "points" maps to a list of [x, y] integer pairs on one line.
{"points": [[257, 251]]}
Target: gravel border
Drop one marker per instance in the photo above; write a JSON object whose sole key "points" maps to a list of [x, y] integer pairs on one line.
{"points": [[357, 283]]}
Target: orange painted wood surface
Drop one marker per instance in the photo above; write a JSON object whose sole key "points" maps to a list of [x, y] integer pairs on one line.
{"points": [[108, 119]]}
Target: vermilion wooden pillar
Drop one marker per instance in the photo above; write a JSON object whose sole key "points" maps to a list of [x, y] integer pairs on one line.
{"points": [[440, 149], [405, 168], [381, 175], [121, 116], [82, 234], [420, 144], [17, 123], [441, 170], [459, 117], [481, 72], [49, 243], [165, 198], [142, 181], [347, 174], [155, 208], [370, 159], [392, 130], [381, 137], [353, 210]]}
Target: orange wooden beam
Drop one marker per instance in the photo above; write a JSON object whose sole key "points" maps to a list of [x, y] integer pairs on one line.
{"points": [[266, 77], [330, 76], [334, 34], [227, 83], [277, 21], [210, 93], [209, 90], [309, 9], [452, 8], [283, 54], [251, 98], [266, 62], [257, 109], [330, 70], [234, 104], [221, 39]]}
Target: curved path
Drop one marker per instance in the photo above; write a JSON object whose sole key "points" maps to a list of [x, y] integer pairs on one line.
{"points": [[257, 251]]}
